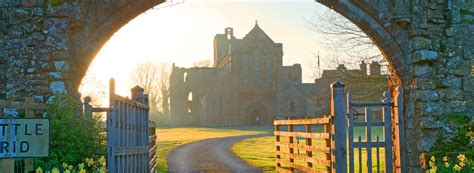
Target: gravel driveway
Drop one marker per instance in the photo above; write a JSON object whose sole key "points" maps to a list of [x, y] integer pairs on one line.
{"points": [[211, 155]]}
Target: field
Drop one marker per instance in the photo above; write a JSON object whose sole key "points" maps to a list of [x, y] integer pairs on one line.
{"points": [[260, 152], [170, 138]]}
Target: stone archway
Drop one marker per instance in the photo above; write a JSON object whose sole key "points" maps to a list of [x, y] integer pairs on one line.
{"points": [[427, 44]]}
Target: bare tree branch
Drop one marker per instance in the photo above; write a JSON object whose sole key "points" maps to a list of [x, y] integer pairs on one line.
{"points": [[349, 43]]}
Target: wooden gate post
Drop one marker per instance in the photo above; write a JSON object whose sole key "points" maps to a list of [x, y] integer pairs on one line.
{"points": [[338, 110]]}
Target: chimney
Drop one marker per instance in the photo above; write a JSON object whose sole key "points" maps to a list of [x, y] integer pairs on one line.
{"points": [[363, 68], [375, 68]]}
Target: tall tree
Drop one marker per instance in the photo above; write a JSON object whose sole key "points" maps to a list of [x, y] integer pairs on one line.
{"points": [[164, 87], [348, 43], [146, 75]]}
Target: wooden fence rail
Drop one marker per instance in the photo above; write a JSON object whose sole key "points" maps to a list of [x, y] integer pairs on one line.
{"points": [[288, 160], [328, 149]]}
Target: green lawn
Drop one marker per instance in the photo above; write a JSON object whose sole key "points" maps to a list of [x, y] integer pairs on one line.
{"points": [[170, 138], [260, 152]]}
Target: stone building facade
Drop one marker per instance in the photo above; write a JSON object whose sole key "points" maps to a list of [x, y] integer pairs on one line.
{"points": [[248, 85]]}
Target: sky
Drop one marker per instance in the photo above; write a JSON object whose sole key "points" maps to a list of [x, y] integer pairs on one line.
{"points": [[184, 33]]}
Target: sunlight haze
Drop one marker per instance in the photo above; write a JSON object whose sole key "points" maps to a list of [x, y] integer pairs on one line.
{"points": [[184, 34]]}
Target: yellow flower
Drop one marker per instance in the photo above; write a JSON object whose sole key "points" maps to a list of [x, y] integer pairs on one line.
{"points": [[67, 171], [81, 166], [39, 170], [445, 158], [446, 164], [102, 160], [82, 171], [55, 170], [91, 162], [432, 164], [461, 157], [433, 169], [64, 165], [433, 159], [461, 164], [457, 167], [71, 167]]}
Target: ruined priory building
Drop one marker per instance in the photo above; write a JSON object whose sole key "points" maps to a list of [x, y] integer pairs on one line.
{"points": [[248, 85]]}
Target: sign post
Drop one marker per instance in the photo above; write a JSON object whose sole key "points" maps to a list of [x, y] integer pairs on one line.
{"points": [[20, 138]]}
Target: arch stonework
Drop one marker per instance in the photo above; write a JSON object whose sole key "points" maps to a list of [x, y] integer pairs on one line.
{"points": [[47, 48]]}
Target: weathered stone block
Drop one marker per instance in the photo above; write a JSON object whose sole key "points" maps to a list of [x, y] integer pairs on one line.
{"points": [[429, 109], [427, 142], [454, 94], [429, 123], [427, 95], [56, 75], [456, 106], [421, 43], [423, 70], [57, 87], [4, 3], [468, 84], [19, 15], [463, 69], [63, 10], [32, 3], [61, 66], [422, 83], [450, 82], [56, 30], [425, 55]]}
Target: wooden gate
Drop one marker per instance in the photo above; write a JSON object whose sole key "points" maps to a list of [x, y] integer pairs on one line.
{"points": [[345, 118], [128, 133], [371, 121]]}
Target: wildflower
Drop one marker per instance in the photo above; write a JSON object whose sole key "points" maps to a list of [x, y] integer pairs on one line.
{"points": [[81, 166], [462, 164], [457, 167], [433, 159], [102, 160], [461, 157], [446, 164], [82, 171], [91, 162], [64, 165], [39, 170], [445, 158], [432, 164], [67, 171], [71, 167], [55, 170]]}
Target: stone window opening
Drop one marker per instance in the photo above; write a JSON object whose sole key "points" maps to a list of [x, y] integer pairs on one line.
{"points": [[190, 96], [189, 110], [185, 76]]}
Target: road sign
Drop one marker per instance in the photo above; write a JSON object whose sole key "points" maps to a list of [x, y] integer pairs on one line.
{"points": [[24, 138]]}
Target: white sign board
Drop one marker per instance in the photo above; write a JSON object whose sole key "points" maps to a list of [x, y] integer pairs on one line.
{"points": [[24, 138]]}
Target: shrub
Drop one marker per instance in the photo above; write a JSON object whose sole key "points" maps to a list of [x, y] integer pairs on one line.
{"points": [[73, 137], [452, 151]]}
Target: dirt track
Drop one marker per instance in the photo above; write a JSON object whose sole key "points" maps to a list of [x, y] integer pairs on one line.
{"points": [[211, 155]]}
